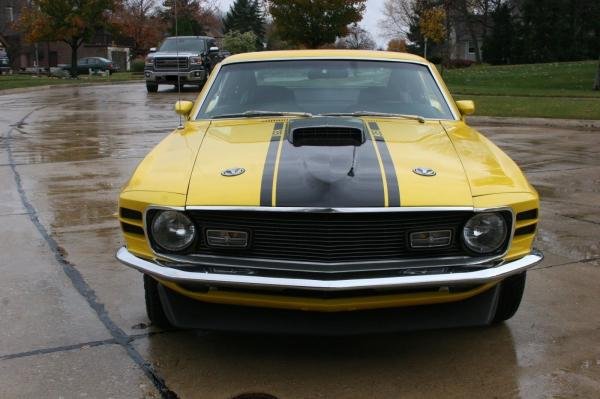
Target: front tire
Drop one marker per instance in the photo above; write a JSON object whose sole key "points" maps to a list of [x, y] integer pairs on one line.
{"points": [[154, 308], [511, 293], [151, 87]]}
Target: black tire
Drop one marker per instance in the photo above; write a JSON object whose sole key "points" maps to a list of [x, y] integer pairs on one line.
{"points": [[151, 87], [154, 308], [511, 293]]}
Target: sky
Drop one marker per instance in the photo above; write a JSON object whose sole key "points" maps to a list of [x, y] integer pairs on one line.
{"points": [[370, 20]]}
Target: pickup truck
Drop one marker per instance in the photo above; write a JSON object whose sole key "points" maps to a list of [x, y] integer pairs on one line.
{"points": [[181, 60]]}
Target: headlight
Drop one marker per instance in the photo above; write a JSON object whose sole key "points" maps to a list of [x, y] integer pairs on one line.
{"points": [[173, 230], [195, 60], [485, 232], [149, 61]]}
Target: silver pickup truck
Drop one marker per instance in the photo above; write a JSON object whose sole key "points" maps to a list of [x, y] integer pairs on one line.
{"points": [[181, 60]]}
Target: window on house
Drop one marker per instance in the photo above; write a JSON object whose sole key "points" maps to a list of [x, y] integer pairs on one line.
{"points": [[471, 47], [9, 14]]}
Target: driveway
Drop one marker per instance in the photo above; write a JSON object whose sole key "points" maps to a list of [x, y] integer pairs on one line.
{"points": [[72, 319]]}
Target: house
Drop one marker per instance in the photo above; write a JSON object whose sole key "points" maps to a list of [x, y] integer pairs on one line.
{"points": [[25, 56]]}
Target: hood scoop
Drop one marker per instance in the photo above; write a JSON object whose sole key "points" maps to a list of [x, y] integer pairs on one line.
{"points": [[325, 131]]}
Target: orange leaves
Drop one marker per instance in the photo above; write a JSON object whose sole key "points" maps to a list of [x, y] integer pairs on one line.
{"points": [[432, 24]]}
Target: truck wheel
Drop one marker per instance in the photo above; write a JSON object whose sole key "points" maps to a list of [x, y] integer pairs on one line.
{"points": [[151, 87], [154, 308], [511, 293]]}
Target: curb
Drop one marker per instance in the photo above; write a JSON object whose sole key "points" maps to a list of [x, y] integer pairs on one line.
{"points": [[65, 85], [589, 124]]}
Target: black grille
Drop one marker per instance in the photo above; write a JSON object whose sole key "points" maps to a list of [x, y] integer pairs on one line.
{"points": [[330, 237], [170, 63], [327, 136]]}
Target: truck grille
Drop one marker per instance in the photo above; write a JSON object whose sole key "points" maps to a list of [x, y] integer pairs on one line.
{"points": [[330, 237], [170, 63]]}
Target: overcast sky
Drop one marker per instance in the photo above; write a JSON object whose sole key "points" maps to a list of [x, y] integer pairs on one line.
{"points": [[370, 19]]}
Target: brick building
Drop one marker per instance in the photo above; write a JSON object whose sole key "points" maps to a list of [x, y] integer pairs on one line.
{"points": [[52, 54]]}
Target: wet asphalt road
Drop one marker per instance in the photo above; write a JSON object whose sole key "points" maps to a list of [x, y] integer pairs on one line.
{"points": [[72, 319]]}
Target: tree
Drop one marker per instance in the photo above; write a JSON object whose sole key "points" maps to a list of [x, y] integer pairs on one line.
{"points": [[194, 17], [243, 16], [397, 45], [498, 45], [357, 38], [237, 42], [314, 23], [597, 80], [397, 18], [138, 20], [69, 21]]}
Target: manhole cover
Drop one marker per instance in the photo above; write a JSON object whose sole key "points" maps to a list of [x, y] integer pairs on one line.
{"points": [[254, 396]]}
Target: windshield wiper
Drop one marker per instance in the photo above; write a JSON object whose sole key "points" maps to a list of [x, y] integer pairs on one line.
{"points": [[381, 114], [257, 113]]}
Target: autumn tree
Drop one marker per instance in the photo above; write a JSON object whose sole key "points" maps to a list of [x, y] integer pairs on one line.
{"points": [[314, 23], [246, 16], [398, 45], [69, 21], [138, 20], [433, 25]]}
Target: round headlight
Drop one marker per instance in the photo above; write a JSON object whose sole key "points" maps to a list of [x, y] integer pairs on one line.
{"points": [[485, 232], [173, 230]]}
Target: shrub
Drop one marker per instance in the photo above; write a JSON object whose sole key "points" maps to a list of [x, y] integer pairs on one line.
{"points": [[137, 65]]}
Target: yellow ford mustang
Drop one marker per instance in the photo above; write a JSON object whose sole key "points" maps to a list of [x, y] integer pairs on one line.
{"points": [[328, 192]]}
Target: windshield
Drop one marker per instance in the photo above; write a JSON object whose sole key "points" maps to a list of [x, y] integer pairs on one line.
{"points": [[192, 45], [325, 86]]}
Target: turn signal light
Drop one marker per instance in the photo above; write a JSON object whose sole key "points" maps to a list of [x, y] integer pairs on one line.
{"points": [[430, 239], [227, 238]]}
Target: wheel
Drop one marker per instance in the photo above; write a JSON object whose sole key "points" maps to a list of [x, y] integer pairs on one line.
{"points": [[511, 293], [151, 87], [154, 308]]}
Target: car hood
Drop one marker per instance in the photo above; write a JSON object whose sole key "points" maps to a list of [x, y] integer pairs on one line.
{"points": [[379, 172], [159, 54]]}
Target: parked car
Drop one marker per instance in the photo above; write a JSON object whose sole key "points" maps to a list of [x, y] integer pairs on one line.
{"points": [[324, 191], [181, 60], [84, 65]]}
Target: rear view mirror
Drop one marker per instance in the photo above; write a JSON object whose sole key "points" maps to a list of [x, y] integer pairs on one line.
{"points": [[213, 50], [153, 49], [184, 108], [466, 107]]}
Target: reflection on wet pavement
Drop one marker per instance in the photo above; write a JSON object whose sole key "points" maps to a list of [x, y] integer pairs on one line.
{"points": [[79, 145]]}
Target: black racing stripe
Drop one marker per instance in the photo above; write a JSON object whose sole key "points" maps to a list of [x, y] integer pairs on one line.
{"points": [[388, 166], [266, 185], [329, 176]]}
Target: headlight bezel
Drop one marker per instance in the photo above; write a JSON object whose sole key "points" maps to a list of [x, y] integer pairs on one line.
{"points": [[152, 216], [507, 216]]}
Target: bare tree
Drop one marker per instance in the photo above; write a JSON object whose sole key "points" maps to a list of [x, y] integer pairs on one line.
{"points": [[357, 38], [396, 19]]}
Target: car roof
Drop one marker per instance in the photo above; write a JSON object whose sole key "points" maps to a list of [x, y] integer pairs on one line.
{"points": [[303, 54]]}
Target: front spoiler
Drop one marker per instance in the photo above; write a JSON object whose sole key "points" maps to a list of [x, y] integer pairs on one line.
{"points": [[246, 281]]}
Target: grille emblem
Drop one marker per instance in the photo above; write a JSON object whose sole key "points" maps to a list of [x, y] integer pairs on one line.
{"points": [[427, 172], [232, 172]]}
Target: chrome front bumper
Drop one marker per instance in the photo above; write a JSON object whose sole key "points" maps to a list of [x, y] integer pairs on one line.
{"points": [[247, 281], [196, 75]]}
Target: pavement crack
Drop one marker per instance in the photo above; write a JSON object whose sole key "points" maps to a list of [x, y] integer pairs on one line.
{"points": [[63, 348], [76, 278], [580, 219], [584, 260]]}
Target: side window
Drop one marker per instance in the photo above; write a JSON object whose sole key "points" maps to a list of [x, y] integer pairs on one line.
{"points": [[212, 43]]}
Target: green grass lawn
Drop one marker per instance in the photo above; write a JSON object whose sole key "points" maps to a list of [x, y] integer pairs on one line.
{"points": [[554, 90], [18, 81]]}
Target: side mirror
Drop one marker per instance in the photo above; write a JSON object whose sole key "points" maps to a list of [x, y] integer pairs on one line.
{"points": [[184, 108], [153, 49], [213, 50], [466, 107]]}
